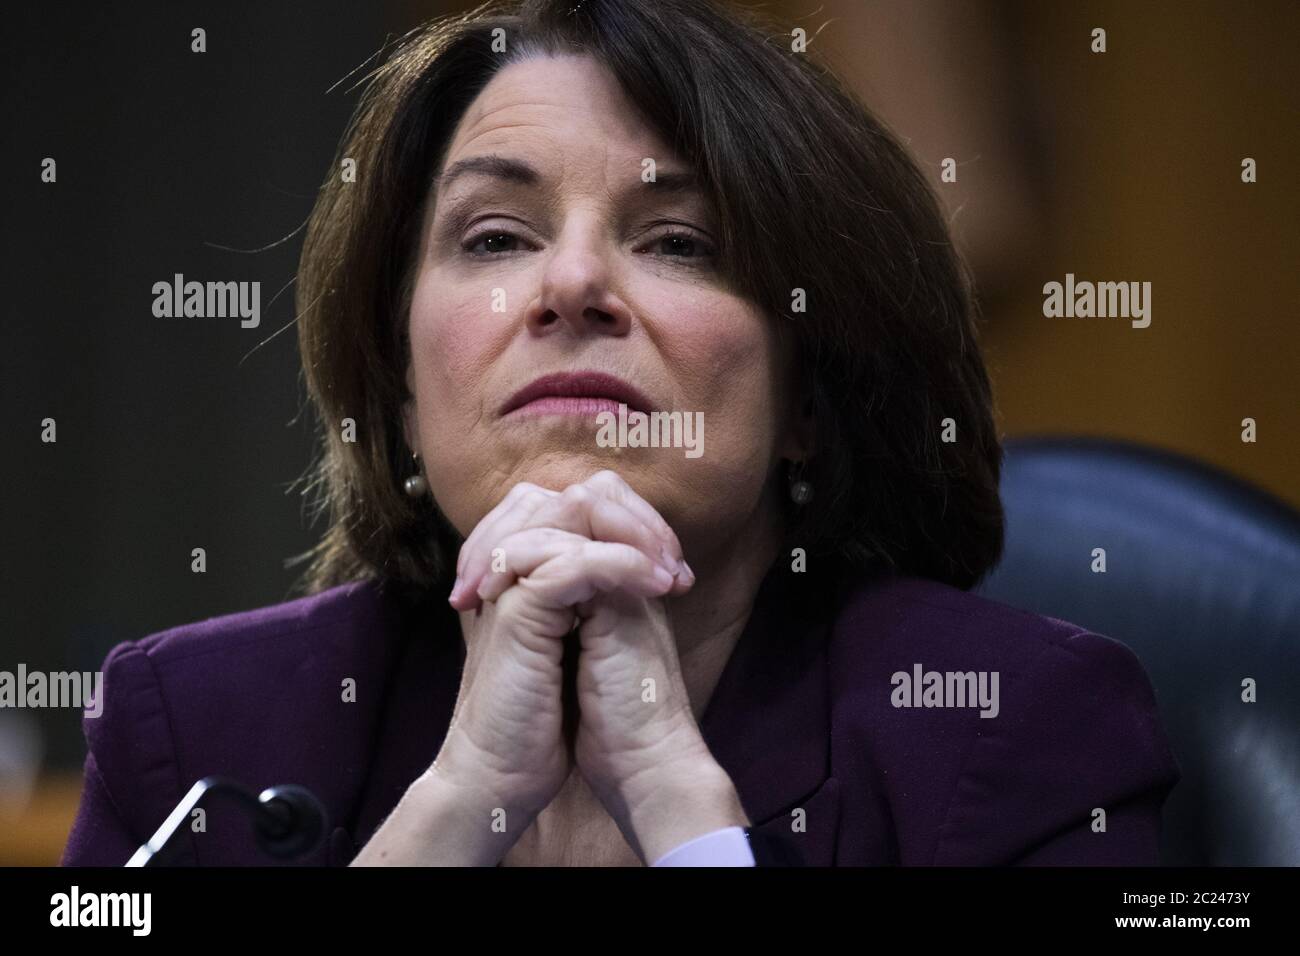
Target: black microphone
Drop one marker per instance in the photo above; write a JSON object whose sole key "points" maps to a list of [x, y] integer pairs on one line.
{"points": [[288, 820]]}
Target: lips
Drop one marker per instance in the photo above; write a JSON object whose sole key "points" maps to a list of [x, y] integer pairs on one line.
{"points": [[579, 385]]}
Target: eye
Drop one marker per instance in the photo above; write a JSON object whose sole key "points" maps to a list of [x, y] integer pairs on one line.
{"points": [[679, 244], [493, 241]]}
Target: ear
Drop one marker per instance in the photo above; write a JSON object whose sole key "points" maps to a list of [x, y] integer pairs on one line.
{"points": [[799, 443], [410, 414]]}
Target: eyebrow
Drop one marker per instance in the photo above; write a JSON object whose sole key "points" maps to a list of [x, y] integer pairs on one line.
{"points": [[498, 167], [506, 169]]}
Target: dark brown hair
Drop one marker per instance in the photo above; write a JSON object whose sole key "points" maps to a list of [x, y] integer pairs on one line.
{"points": [[811, 192]]}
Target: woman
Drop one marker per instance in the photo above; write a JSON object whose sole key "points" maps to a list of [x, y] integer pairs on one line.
{"points": [[535, 637]]}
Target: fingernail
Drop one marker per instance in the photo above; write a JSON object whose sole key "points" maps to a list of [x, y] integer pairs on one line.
{"points": [[455, 589], [690, 575], [663, 577], [672, 564]]}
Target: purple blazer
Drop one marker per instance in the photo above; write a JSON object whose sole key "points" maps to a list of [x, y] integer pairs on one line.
{"points": [[813, 717]]}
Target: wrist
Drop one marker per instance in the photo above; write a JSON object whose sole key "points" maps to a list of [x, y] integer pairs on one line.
{"points": [[678, 804], [488, 815], [463, 768], [444, 822]]}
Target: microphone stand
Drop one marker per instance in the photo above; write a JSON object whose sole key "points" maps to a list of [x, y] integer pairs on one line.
{"points": [[288, 820]]}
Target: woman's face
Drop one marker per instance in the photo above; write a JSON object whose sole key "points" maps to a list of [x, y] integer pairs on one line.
{"points": [[564, 259]]}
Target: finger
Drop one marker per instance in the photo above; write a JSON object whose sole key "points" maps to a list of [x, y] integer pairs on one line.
{"points": [[579, 510], [595, 567], [615, 486], [596, 514], [603, 508], [511, 514], [524, 490], [611, 486], [522, 553]]}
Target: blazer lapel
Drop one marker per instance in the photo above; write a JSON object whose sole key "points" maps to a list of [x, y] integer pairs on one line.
{"points": [[767, 722], [423, 681]]}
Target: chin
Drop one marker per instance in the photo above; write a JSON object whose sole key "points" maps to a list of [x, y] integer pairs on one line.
{"points": [[559, 469]]}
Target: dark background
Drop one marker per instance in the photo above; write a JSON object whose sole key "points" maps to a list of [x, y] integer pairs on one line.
{"points": [[173, 433]]}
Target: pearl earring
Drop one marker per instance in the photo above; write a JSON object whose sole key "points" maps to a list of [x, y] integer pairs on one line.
{"points": [[801, 491], [415, 485]]}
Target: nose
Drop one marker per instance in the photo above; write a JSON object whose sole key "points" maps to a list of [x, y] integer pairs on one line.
{"points": [[577, 290]]}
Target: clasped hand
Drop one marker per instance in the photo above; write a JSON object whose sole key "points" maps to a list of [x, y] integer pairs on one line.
{"points": [[599, 557]]}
